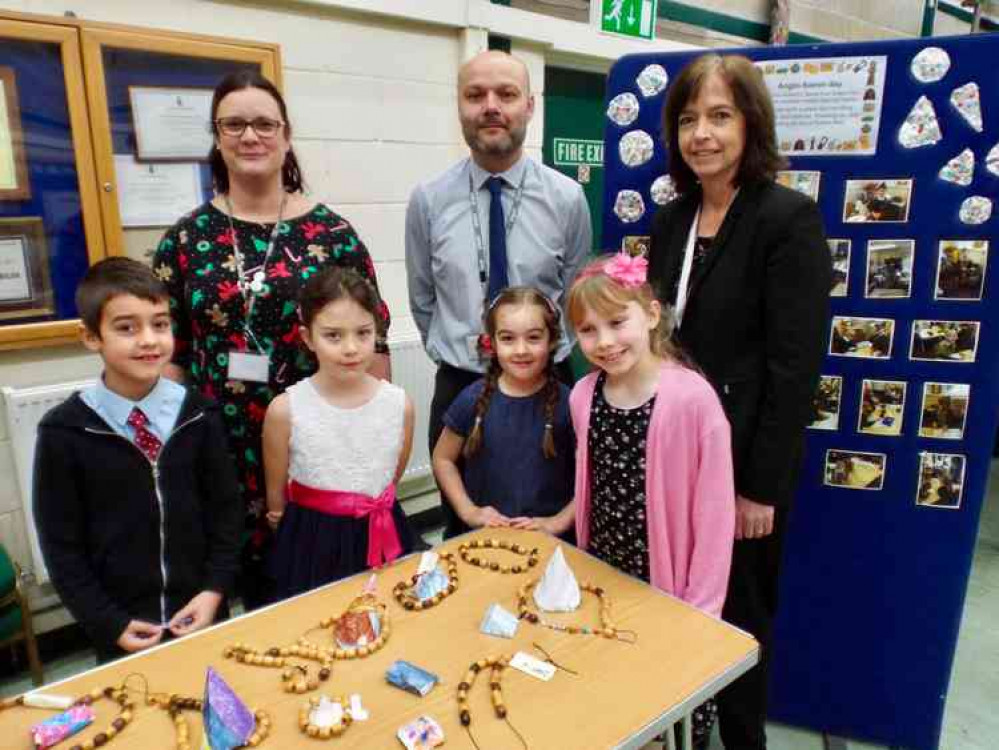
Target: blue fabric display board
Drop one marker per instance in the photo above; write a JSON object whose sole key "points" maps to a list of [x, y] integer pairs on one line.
{"points": [[902, 156]]}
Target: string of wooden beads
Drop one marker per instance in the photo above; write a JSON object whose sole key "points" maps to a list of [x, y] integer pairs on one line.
{"points": [[405, 593], [606, 629], [496, 665], [117, 726], [465, 550], [308, 727], [295, 678]]}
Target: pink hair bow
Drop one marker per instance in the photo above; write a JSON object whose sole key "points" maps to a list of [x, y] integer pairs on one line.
{"points": [[626, 270]]}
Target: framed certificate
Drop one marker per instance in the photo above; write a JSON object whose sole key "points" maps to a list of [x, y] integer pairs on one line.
{"points": [[171, 124], [25, 286], [14, 184]]}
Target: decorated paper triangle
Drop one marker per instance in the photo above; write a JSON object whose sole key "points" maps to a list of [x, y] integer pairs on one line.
{"points": [[961, 169], [228, 722], [968, 103], [558, 590]]}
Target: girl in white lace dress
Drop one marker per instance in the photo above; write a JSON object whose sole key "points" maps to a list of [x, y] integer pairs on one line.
{"points": [[335, 444]]}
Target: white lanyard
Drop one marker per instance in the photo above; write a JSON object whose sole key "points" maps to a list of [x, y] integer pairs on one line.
{"points": [[256, 286], [688, 261], [480, 244]]}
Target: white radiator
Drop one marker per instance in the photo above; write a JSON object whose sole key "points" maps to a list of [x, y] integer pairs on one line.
{"points": [[414, 371], [25, 408]]}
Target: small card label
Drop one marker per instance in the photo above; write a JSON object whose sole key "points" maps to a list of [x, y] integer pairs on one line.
{"points": [[252, 368], [532, 666], [428, 561]]}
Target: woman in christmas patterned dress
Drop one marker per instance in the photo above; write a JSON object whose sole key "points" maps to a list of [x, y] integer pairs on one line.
{"points": [[234, 267]]}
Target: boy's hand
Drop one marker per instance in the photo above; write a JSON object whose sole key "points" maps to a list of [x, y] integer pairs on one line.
{"points": [[197, 614], [139, 635]]}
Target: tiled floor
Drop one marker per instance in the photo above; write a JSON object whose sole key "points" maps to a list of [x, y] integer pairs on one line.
{"points": [[971, 721]]}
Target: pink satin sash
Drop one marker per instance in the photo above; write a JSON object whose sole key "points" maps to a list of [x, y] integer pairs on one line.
{"points": [[383, 539]]}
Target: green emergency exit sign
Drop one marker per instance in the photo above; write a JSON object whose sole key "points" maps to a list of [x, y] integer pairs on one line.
{"points": [[572, 152], [633, 18]]}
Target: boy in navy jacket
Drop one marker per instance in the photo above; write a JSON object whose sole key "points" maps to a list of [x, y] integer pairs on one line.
{"points": [[135, 496]]}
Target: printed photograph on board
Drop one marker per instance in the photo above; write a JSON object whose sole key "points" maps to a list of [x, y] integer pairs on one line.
{"points": [[889, 269], [870, 338], [941, 480], [882, 406], [944, 340], [825, 403], [806, 183], [961, 270], [944, 410], [855, 470], [636, 244], [881, 201], [840, 252]]}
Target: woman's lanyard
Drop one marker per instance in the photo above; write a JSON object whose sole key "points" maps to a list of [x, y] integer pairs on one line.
{"points": [[480, 243], [251, 290], [688, 262], [683, 289]]}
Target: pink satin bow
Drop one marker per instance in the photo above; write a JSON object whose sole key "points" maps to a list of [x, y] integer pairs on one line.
{"points": [[383, 539]]}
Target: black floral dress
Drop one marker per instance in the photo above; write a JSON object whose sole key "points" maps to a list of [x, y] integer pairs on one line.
{"points": [[195, 260], [619, 532]]}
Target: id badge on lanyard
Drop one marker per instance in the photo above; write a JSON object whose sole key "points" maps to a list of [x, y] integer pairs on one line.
{"points": [[688, 261], [250, 367]]}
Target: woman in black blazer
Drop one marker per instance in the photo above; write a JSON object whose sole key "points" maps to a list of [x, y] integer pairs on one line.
{"points": [[745, 264]]}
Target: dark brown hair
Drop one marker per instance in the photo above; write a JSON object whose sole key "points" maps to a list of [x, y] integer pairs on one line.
{"points": [[518, 295], [291, 173], [335, 283], [594, 289], [760, 158], [110, 278]]}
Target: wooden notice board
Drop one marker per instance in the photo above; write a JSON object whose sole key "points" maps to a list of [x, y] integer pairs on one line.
{"points": [[622, 696]]}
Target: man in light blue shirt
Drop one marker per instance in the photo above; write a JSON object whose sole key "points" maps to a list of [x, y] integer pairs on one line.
{"points": [[547, 226]]}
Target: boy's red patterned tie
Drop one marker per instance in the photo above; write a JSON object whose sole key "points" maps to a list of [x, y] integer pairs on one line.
{"points": [[148, 443]]}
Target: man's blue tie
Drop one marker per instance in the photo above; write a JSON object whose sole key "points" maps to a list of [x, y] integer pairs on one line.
{"points": [[498, 279]]}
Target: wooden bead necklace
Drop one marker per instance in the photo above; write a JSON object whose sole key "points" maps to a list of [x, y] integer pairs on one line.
{"points": [[313, 730], [606, 629], [496, 665], [353, 623], [117, 725], [405, 593], [465, 550], [175, 705]]}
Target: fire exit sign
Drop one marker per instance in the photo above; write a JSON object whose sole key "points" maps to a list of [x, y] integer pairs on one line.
{"points": [[631, 18]]}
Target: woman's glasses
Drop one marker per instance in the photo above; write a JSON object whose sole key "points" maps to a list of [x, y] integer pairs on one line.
{"points": [[234, 127]]}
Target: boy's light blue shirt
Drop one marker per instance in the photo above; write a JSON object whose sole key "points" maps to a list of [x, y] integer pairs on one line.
{"points": [[161, 407]]}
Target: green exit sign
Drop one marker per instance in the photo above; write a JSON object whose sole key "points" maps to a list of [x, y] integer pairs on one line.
{"points": [[631, 18], [572, 152]]}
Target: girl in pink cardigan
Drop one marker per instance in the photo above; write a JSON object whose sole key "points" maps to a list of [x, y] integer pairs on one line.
{"points": [[654, 486]]}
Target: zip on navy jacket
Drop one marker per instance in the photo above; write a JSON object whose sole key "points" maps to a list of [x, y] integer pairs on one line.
{"points": [[124, 538]]}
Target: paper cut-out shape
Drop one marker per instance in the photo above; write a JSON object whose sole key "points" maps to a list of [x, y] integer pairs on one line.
{"points": [[968, 103], [629, 206], [961, 169], [635, 148], [976, 210], [623, 109], [228, 722], [992, 160], [921, 127], [652, 80], [499, 622], [930, 65], [663, 190], [558, 590]]}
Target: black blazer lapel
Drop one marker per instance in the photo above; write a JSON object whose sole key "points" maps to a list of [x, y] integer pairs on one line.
{"points": [[744, 205]]}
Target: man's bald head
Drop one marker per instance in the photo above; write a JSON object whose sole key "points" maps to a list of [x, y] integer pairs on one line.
{"points": [[495, 59]]}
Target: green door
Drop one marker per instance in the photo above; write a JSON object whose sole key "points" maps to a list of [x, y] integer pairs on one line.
{"points": [[574, 144], [574, 133]]}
